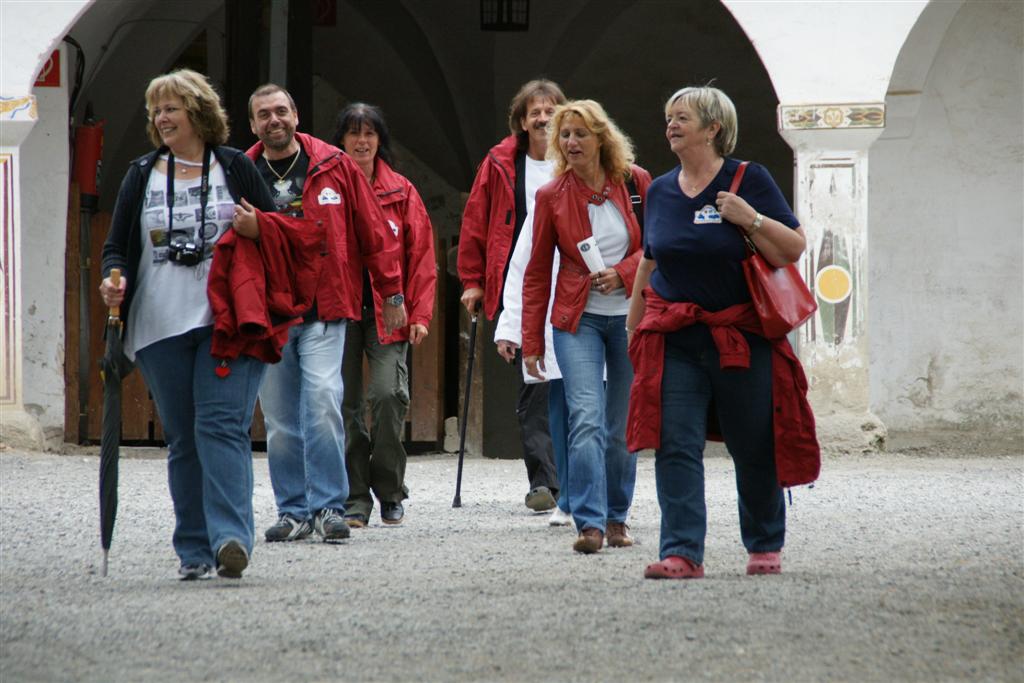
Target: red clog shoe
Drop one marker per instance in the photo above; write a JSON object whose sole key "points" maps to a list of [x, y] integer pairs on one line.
{"points": [[674, 567], [764, 563]]}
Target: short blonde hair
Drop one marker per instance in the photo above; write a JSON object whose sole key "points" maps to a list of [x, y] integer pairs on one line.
{"points": [[711, 104], [205, 112], [616, 148]]}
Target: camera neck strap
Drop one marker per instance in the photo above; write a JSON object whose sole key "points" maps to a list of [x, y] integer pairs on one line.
{"points": [[204, 195]]}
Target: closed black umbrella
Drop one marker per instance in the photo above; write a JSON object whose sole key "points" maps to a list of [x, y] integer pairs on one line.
{"points": [[113, 367]]}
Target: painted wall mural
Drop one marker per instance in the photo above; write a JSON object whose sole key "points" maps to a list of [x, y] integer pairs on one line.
{"points": [[833, 286], [18, 108], [8, 300], [831, 205], [831, 116]]}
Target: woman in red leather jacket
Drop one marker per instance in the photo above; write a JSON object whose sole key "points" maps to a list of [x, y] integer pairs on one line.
{"points": [[586, 214]]}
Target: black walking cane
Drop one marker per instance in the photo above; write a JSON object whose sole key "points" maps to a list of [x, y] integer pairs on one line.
{"points": [[457, 503]]}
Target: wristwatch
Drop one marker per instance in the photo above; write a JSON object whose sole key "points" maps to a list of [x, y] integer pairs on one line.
{"points": [[756, 225], [394, 300]]}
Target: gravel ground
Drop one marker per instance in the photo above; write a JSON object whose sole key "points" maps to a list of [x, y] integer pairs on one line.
{"points": [[898, 567]]}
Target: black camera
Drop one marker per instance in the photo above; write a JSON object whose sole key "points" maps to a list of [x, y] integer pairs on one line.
{"points": [[183, 250]]}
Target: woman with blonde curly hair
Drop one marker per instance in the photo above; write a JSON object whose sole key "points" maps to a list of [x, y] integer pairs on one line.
{"points": [[587, 211]]}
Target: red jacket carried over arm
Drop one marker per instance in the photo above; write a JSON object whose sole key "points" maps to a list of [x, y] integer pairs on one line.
{"points": [[258, 289], [488, 224]]}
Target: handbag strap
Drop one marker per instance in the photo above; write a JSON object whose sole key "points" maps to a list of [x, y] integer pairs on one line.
{"points": [[637, 201], [738, 177], [736, 180]]}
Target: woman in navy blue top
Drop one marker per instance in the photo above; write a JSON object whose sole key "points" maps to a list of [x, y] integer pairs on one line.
{"points": [[693, 253]]}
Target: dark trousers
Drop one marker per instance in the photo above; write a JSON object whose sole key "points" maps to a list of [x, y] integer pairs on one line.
{"points": [[375, 458], [742, 402], [535, 432]]}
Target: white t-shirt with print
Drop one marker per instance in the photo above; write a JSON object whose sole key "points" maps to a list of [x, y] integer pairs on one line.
{"points": [[170, 299]]}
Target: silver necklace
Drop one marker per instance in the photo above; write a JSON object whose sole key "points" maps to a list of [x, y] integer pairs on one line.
{"points": [[185, 165]]}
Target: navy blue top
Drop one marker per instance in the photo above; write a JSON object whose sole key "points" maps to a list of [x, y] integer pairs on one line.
{"points": [[698, 254]]}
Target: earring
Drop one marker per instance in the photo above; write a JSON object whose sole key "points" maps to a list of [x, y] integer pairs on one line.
{"points": [[707, 141]]}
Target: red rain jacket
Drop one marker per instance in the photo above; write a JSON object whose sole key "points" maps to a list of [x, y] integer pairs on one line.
{"points": [[338, 197], [488, 223], [407, 217]]}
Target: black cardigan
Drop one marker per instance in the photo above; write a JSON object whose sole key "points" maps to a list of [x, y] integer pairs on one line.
{"points": [[123, 247]]}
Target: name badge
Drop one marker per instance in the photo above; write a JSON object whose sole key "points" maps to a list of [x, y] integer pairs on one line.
{"points": [[328, 196], [707, 214]]}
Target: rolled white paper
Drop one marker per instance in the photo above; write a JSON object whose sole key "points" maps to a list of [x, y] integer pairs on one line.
{"points": [[591, 254]]}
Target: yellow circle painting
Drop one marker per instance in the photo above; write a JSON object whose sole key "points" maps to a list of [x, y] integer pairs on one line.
{"points": [[833, 284]]}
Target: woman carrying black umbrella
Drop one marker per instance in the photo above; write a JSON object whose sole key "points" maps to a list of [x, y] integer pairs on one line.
{"points": [[174, 204]]}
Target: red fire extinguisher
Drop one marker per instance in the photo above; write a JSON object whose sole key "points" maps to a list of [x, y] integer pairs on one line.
{"points": [[89, 162]]}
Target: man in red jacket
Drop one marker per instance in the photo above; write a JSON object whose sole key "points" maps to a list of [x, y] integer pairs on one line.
{"points": [[314, 183], [501, 197]]}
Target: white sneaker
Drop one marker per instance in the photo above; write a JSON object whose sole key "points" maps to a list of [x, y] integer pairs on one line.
{"points": [[559, 518]]}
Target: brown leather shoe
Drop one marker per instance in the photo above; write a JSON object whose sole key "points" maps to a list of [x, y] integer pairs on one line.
{"points": [[589, 541], [618, 535]]}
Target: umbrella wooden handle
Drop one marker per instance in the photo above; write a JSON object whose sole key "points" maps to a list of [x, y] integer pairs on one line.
{"points": [[115, 279]]}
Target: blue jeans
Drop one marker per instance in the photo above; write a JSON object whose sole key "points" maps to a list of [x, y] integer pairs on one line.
{"points": [[742, 402], [206, 422], [602, 473], [301, 400], [558, 421]]}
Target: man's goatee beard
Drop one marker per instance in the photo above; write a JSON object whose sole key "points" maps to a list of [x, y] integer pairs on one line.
{"points": [[279, 147]]}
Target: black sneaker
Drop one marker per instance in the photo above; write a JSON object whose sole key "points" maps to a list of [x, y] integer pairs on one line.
{"points": [[288, 528], [194, 572], [330, 525], [232, 559], [392, 513]]}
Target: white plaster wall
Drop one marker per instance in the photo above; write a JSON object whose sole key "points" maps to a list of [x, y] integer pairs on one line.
{"points": [[44, 194], [29, 31], [946, 235], [827, 52]]}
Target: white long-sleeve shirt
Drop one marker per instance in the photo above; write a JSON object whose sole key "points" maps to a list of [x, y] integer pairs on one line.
{"points": [[510, 321]]}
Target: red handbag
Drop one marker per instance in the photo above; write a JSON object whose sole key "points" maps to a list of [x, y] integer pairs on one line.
{"points": [[780, 296]]}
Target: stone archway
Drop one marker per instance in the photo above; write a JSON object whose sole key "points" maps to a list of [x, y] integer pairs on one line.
{"points": [[946, 221]]}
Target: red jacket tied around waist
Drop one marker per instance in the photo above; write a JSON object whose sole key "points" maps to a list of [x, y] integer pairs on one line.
{"points": [[797, 454]]}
